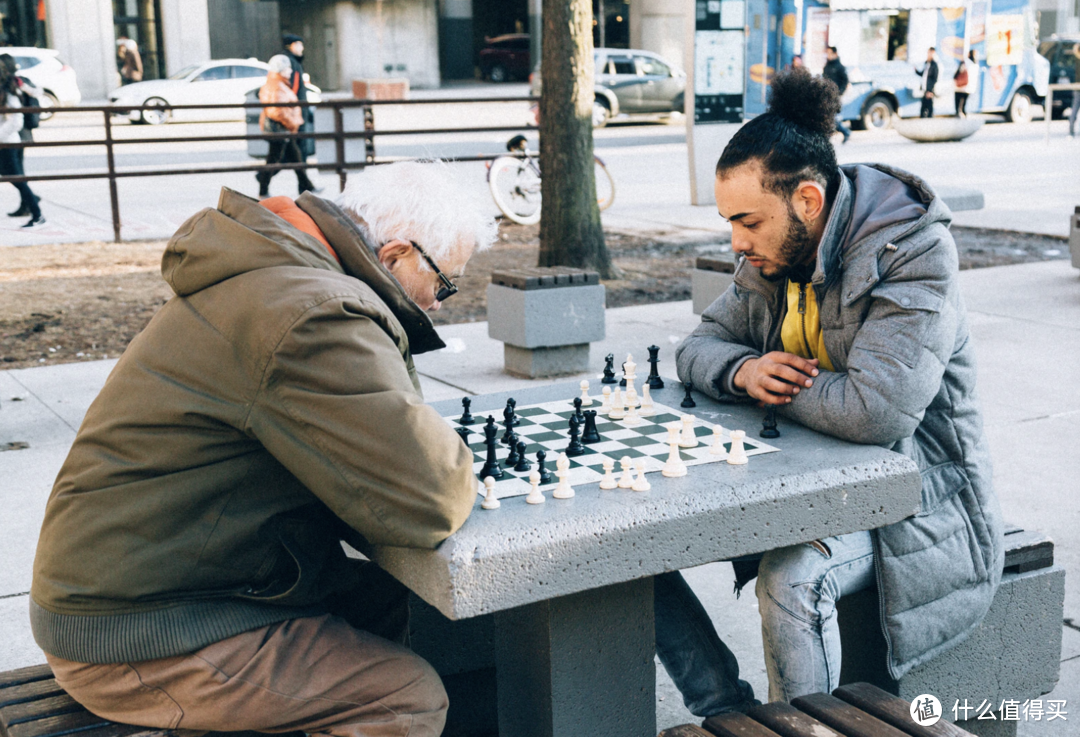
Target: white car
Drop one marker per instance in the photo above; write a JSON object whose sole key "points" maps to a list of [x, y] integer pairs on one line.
{"points": [[218, 82], [48, 73]]}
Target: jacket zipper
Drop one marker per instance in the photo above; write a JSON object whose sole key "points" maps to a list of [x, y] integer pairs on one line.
{"points": [[802, 317]]}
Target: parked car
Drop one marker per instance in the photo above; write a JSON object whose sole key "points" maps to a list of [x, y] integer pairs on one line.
{"points": [[48, 73], [218, 82], [632, 84], [506, 57], [1059, 52]]}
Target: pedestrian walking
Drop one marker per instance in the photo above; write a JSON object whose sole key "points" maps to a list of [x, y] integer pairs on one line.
{"points": [[929, 77], [294, 50], [1076, 93], [280, 119], [129, 61], [11, 124], [836, 73], [965, 72], [29, 96]]}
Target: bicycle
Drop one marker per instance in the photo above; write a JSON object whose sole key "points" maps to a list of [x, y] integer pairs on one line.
{"points": [[515, 183]]}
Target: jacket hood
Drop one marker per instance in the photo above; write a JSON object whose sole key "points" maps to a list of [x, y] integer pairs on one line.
{"points": [[241, 236]]}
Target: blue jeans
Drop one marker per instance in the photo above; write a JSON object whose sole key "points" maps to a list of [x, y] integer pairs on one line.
{"points": [[797, 590]]}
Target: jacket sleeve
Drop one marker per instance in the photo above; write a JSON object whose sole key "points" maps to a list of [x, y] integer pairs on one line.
{"points": [[11, 123], [338, 409], [711, 355], [898, 357]]}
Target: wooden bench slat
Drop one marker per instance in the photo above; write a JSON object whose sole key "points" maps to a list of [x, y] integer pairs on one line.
{"points": [[58, 725], [894, 711], [685, 730], [737, 725], [33, 710], [843, 717], [29, 692], [20, 676], [787, 721]]}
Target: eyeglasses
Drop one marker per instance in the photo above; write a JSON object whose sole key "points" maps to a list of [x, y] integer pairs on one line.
{"points": [[448, 289]]}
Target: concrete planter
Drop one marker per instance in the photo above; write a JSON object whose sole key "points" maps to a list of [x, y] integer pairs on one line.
{"points": [[938, 130]]}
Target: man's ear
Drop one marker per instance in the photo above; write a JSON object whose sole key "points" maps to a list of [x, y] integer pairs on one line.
{"points": [[393, 253], [809, 201]]}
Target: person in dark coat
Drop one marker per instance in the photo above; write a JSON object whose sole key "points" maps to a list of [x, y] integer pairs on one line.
{"points": [[929, 74], [836, 73], [294, 50]]}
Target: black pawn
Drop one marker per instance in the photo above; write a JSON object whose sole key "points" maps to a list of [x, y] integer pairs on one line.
{"points": [[768, 426], [655, 382], [590, 434], [464, 433], [688, 401], [609, 369], [545, 477], [523, 464], [466, 418], [577, 411], [491, 465], [514, 458], [575, 448]]}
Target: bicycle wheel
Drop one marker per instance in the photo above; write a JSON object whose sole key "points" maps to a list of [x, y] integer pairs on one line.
{"points": [[515, 187], [605, 185]]}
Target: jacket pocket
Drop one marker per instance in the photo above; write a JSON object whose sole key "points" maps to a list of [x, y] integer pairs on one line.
{"points": [[903, 323], [939, 484]]}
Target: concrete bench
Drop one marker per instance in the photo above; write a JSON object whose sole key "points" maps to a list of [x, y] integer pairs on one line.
{"points": [[712, 275], [546, 319]]}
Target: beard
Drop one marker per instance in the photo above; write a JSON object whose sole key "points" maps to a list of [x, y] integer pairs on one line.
{"points": [[793, 251]]}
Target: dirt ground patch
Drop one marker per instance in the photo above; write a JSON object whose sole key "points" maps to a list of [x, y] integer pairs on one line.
{"points": [[64, 303]]}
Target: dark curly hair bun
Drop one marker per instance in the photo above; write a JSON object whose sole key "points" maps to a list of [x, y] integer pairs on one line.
{"points": [[808, 101]]}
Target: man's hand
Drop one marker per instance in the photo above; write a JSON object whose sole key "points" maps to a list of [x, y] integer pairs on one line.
{"points": [[776, 376]]}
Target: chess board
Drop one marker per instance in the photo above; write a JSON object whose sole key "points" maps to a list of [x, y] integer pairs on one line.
{"points": [[546, 426]]}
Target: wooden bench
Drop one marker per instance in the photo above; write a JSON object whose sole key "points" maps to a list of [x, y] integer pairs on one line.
{"points": [[856, 710]]}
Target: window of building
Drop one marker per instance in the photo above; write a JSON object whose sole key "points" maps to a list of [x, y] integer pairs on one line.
{"points": [[140, 20], [22, 23]]}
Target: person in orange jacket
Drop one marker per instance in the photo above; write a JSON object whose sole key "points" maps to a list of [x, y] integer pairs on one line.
{"points": [[281, 119]]}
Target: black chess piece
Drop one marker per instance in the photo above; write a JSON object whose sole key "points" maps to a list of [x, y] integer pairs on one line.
{"points": [[590, 434], [768, 426], [688, 401], [545, 475], [654, 380], [577, 411], [609, 369], [491, 464], [466, 417], [622, 381], [523, 464], [509, 437], [575, 448], [512, 403], [464, 433], [515, 457]]}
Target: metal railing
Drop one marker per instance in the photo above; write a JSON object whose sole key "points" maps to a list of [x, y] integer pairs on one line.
{"points": [[338, 135]]}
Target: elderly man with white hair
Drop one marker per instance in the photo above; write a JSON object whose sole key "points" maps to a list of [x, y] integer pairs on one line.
{"points": [[190, 572]]}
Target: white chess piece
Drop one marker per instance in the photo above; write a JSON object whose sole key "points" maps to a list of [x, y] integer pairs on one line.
{"points": [[606, 406], [673, 467], [562, 471], [586, 400], [535, 495], [618, 409], [490, 502], [717, 448], [609, 481], [626, 481], [647, 407], [631, 394], [737, 456], [688, 439], [641, 483], [633, 419]]}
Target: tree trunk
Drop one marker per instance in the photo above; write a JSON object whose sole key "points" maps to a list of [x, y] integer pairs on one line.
{"points": [[570, 230]]}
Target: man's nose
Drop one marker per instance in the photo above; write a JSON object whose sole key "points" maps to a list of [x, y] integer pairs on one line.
{"points": [[739, 245], [435, 306]]}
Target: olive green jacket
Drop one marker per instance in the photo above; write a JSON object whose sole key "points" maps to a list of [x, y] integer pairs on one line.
{"points": [[269, 410]]}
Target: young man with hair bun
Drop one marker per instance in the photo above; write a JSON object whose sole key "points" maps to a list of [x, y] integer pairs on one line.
{"points": [[846, 314]]}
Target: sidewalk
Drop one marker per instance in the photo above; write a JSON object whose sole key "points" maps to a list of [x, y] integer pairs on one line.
{"points": [[1029, 382]]}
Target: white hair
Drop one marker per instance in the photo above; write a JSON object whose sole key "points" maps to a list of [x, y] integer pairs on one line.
{"points": [[418, 201], [280, 64]]}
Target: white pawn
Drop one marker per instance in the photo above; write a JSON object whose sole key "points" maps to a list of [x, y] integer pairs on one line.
{"points": [[626, 481], [535, 495], [737, 456], [562, 471], [688, 439], [717, 448], [641, 483], [673, 467], [609, 481], [633, 419], [586, 400], [490, 502], [606, 406], [618, 409], [647, 408]]}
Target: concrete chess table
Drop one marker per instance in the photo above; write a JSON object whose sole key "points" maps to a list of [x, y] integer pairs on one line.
{"points": [[570, 582]]}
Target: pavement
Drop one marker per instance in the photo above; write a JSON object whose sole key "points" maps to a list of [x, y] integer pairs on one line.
{"points": [[1025, 322]]}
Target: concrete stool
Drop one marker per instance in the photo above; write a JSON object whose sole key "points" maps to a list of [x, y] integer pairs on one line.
{"points": [[546, 318], [938, 130], [710, 278]]}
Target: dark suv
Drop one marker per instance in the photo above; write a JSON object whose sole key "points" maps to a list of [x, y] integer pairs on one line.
{"points": [[506, 57], [1059, 52]]}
